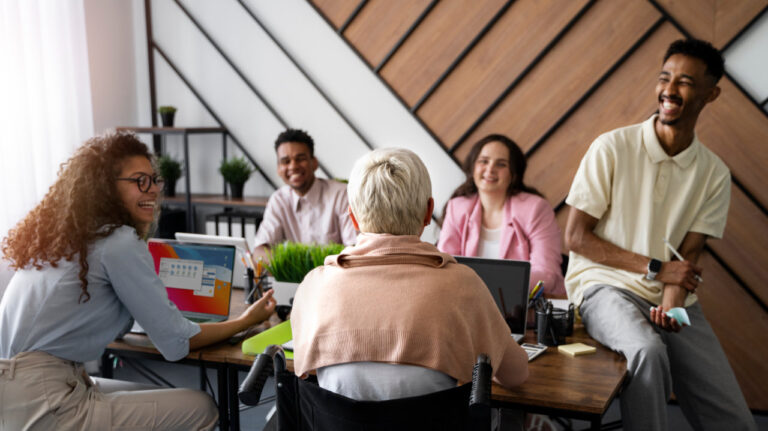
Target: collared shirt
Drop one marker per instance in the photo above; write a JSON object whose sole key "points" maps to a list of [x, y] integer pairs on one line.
{"points": [[320, 216], [40, 310], [641, 196]]}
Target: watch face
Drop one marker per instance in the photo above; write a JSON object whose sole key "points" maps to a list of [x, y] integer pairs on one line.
{"points": [[654, 265]]}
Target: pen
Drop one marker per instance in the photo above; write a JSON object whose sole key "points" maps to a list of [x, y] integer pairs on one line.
{"points": [[679, 257], [535, 289]]}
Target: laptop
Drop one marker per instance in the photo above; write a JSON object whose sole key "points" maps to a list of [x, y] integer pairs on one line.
{"points": [[242, 248], [508, 282], [197, 277]]}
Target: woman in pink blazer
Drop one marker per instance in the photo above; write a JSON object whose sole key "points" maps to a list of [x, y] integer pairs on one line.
{"points": [[495, 215]]}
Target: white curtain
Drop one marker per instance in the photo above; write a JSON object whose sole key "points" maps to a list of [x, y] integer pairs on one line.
{"points": [[45, 98]]}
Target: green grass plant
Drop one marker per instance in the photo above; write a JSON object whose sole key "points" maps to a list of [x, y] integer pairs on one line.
{"points": [[292, 261]]}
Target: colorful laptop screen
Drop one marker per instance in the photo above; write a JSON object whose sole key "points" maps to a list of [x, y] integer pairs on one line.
{"points": [[198, 277]]}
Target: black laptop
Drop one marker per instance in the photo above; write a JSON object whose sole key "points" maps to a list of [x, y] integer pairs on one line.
{"points": [[508, 282]]}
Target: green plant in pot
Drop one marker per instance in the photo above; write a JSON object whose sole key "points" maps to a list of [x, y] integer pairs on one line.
{"points": [[167, 113], [291, 261], [170, 170], [236, 172]]}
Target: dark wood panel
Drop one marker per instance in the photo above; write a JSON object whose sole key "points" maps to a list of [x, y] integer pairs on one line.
{"points": [[380, 24], [741, 326], [435, 44], [337, 11], [743, 245], [716, 21], [600, 38], [524, 31], [737, 131], [627, 97]]}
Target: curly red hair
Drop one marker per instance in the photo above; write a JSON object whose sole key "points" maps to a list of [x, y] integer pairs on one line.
{"points": [[82, 206]]}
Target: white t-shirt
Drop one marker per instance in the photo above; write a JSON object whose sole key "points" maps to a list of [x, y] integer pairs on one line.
{"points": [[641, 196], [377, 381], [489, 245]]}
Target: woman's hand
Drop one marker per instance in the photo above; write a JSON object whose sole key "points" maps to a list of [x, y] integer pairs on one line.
{"points": [[260, 310]]}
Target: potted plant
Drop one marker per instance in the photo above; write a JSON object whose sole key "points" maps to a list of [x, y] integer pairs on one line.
{"points": [[170, 170], [236, 172], [289, 262], [166, 115]]}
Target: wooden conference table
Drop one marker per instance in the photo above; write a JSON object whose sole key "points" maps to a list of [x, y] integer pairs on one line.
{"points": [[581, 387]]}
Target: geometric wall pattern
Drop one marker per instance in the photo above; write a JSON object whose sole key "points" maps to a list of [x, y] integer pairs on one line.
{"points": [[553, 75]]}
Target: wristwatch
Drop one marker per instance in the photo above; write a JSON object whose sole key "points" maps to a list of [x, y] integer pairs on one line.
{"points": [[654, 266]]}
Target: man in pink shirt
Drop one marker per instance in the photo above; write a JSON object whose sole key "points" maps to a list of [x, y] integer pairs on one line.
{"points": [[307, 209]]}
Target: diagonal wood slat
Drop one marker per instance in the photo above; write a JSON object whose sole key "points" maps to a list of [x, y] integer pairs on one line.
{"points": [[521, 34], [377, 27], [716, 21], [435, 44], [337, 11], [572, 67]]}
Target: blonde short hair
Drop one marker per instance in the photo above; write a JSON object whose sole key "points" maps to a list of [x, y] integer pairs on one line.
{"points": [[389, 190]]}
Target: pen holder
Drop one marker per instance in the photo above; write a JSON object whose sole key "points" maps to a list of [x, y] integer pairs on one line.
{"points": [[553, 324]]}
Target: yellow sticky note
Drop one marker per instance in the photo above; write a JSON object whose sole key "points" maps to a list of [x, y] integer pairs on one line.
{"points": [[576, 349]]}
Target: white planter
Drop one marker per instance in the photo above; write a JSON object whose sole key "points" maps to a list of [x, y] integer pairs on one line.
{"points": [[284, 291]]}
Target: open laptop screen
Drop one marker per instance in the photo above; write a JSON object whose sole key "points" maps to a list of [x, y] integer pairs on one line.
{"points": [[508, 282], [198, 277]]}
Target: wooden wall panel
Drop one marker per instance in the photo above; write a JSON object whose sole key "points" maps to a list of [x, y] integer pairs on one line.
{"points": [[737, 131], [716, 21], [743, 247], [627, 97], [380, 24], [435, 44], [526, 28], [337, 11], [741, 326], [570, 69], [732, 127]]}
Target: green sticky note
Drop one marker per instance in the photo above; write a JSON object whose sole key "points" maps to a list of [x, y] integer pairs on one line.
{"points": [[275, 335]]}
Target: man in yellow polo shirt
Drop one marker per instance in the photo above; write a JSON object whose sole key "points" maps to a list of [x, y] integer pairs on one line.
{"points": [[636, 187]]}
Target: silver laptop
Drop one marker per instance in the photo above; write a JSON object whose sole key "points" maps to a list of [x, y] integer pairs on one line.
{"points": [[508, 282], [197, 277]]}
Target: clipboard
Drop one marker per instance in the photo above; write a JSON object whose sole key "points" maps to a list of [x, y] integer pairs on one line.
{"points": [[275, 335]]}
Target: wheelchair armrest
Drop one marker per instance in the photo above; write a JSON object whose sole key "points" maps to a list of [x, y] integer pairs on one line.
{"points": [[481, 382], [265, 364]]}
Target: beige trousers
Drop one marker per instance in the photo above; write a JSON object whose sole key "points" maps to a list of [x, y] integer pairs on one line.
{"points": [[42, 392]]}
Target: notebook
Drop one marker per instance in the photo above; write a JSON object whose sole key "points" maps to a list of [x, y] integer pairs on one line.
{"points": [[508, 282], [197, 277]]}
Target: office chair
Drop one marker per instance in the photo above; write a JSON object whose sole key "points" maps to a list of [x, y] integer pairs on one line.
{"points": [[303, 405]]}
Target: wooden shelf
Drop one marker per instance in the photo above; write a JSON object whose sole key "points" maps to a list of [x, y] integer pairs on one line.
{"points": [[172, 130], [213, 199]]}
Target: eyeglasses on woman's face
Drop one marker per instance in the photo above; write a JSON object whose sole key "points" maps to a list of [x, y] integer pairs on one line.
{"points": [[145, 181]]}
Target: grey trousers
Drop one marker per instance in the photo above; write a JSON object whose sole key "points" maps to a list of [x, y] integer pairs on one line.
{"points": [[42, 392], [691, 363]]}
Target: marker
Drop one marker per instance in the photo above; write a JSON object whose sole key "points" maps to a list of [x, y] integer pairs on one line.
{"points": [[679, 257]]}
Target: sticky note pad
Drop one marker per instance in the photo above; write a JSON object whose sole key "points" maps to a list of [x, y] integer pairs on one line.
{"points": [[275, 335], [576, 349]]}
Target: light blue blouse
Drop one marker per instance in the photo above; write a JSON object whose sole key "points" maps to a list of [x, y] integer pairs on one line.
{"points": [[39, 310]]}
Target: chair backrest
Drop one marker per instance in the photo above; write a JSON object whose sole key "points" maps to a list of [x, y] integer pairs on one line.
{"points": [[303, 405]]}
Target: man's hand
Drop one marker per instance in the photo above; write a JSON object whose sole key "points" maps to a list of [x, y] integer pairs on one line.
{"points": [[674, 296], [680, 273]]}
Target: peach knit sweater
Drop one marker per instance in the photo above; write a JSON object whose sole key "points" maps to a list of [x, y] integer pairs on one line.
{"points": [[396, 299]]}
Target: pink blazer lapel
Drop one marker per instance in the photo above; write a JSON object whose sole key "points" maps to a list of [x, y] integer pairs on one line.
{"points": [[472, 229], [514, 243]]}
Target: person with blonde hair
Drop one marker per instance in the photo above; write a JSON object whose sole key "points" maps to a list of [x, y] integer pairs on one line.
{"points": [[83, 273], [392, 316]]}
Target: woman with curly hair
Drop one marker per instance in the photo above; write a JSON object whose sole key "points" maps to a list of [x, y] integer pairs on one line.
{"points": [[495, 215], [83, 273]]}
